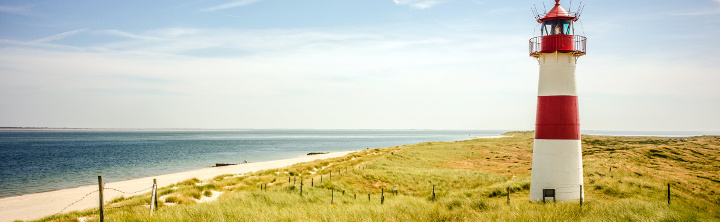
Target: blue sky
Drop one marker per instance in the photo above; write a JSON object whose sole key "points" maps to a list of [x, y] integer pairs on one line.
{"points": [[370, 64]]}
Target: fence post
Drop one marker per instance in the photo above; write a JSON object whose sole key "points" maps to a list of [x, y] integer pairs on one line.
{"points": [[508, 195], [581, 195], [152, 205], [356, 196], [433, 197], [320, 178], [301, 185], [289, 179], [668, 193], [152, 198], [155, 197], [312, 182], [332, 195], [100, 190], [382, 197]]}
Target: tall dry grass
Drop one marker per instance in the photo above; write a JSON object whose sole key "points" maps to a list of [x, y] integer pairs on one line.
{"points": [[625, 180]]}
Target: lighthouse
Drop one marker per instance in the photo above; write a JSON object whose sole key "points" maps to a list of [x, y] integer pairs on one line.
{"points": [[557, 172]]}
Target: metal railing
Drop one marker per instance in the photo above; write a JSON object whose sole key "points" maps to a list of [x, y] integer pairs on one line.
{"points": [[579, 45]]}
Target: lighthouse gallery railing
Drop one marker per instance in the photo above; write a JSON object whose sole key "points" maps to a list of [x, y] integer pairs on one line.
{"points": [[579, 43]]}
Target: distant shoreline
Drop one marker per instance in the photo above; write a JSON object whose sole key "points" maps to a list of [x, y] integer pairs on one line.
{"points": [[116, 129]]}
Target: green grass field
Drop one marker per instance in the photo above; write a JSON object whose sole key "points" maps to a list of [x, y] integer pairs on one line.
{"points": [[625, 180]]}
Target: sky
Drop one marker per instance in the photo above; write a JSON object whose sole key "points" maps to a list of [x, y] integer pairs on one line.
{"points": [[349, 64]]}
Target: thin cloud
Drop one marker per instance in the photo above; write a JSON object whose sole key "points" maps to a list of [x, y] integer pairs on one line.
{"points": [[232, 4], [58, 36], [4, 8], [129, 35], [418, 4], [14, 9], [18, 10]]}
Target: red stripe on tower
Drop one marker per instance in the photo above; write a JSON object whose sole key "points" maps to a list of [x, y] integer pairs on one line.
{"points": [[557, 118]]}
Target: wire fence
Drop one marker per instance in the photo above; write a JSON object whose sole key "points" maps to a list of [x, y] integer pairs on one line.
{"points": [[129, 193], [101, 203], [298, 184], [73, 203]]}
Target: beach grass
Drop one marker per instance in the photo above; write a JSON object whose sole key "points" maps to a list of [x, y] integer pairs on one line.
{"points": [[626, 179]]}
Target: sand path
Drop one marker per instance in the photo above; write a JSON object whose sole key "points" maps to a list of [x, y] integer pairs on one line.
{"points": [[38, 205]]}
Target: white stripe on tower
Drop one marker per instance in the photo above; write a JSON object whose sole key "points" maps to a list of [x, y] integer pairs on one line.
{"points": [[557, 154]]}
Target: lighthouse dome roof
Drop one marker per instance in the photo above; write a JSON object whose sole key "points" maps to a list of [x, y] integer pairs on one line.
{"points": [[558, 12]]}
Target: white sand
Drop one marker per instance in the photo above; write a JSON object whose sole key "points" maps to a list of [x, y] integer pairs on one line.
{"points": [[38, 205]]}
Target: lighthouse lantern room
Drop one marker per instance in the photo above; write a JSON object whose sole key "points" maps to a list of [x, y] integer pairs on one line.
{"points": [[557, 172]]}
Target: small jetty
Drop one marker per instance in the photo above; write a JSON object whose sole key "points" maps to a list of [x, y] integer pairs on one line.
{"points": [[224, 164], [316, 153]]}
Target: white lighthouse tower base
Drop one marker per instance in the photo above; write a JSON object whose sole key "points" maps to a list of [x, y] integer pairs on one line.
{"points": [[557, 164]]}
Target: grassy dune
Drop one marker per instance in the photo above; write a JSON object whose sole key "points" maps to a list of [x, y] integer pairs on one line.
{"points": [[625, 180]]}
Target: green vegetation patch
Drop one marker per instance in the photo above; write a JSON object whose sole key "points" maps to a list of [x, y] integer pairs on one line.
{"points": [[626, 179]]}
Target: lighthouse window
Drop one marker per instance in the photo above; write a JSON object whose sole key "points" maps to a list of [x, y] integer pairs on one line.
{"points": [[557, 27]]}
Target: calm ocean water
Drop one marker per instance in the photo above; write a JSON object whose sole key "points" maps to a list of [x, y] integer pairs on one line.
{"points": [[37, 161]]}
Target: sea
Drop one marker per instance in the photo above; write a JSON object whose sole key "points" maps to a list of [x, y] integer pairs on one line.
{"points": [[33, 161]]}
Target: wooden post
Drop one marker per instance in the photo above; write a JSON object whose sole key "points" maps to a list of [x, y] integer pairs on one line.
{"points": [[343, 192], [433, 197], [294, 181], [382, 197], [289, 179], [152, 197], [356, 196], [152, 194], [508, 195], [155, 197], [581, 195], [332, 195], [368, 197], [312, 182], [668, 193], [301, 185], [100, 190], [320, 178]]}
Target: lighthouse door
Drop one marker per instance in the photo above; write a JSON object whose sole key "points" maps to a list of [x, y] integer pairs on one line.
{"points": [[548, 193]]}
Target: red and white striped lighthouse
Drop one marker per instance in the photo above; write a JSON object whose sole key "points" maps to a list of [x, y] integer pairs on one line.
{"points": [[557, 172]]}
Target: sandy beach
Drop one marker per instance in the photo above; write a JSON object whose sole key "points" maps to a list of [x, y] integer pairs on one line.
{"points": [[38, 205]]}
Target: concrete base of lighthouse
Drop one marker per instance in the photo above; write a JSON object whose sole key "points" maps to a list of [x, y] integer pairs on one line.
{"points": [[557, 164]]}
